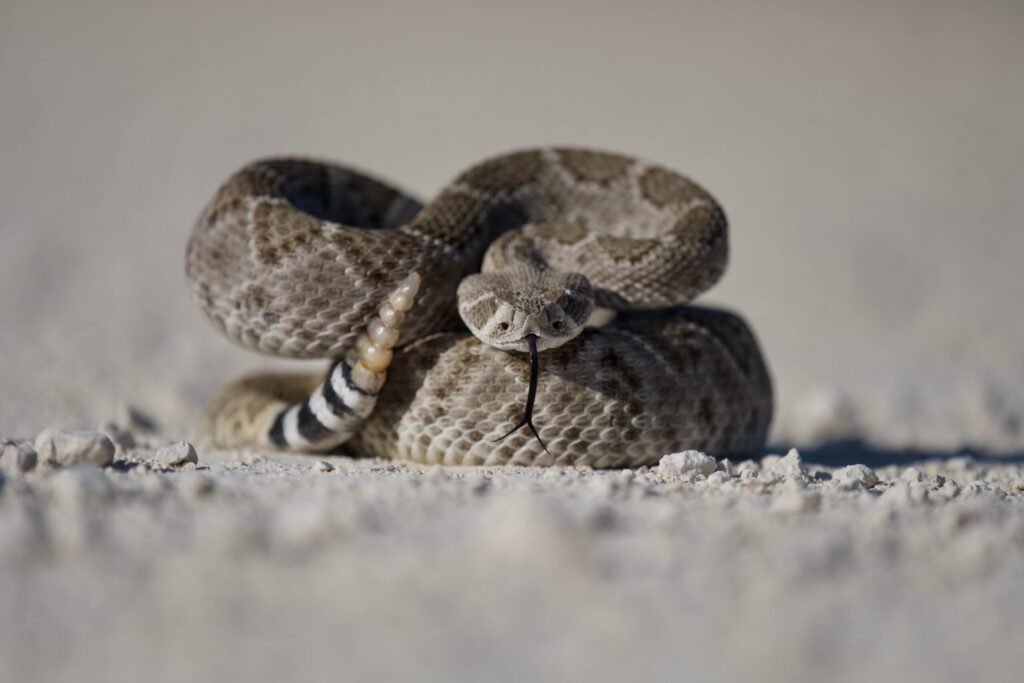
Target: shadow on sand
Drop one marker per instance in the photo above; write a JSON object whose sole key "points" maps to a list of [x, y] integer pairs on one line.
{"points": [[842, 452]]}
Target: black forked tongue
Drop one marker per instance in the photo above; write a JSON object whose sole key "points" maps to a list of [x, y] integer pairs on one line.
{"points": [[531, 341]]}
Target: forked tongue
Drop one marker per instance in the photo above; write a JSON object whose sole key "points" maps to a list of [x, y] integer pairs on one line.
{"points": [[531, 395]]}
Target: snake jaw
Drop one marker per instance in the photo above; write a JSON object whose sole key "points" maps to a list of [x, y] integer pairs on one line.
{"points": [[531, 395]]}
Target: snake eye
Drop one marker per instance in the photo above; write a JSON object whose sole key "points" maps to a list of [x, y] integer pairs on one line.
{"points": [[503, 327], [557, 324]]}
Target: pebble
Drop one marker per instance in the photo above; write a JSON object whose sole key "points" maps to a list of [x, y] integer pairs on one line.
{"points": [[718, 478], [748, 466], [912, 474], [251, 458], [66, 448], [855, 477], [791, 467], [905, 493], [323, 466], [949, 490], [177, 454], [677, 464], [17, 457]]}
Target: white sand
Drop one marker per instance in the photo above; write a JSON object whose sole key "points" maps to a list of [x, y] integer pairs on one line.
{"points": [[870, 158]]}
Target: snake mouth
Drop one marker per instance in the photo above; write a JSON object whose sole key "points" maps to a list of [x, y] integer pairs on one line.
{"points": [[542, 341], [531, 394]]}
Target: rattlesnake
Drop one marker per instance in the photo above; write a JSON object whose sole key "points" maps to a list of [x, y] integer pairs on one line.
{"points": [[314, 260]]}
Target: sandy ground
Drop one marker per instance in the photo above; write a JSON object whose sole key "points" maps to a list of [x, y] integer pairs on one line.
{"points": [[870, 158]]}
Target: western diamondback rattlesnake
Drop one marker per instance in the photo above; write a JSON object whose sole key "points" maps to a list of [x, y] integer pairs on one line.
{"points": [[312, 260]]}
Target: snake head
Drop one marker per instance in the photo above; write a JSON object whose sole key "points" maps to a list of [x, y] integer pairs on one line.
{"points": [[502, 308]]}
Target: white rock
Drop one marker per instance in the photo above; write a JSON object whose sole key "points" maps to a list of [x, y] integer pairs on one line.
{"points": [[949, 490], [177, 454], [676, 464], [65, 448], [17, 457], [912, 474], [855, 477], [791, 467], [748, 466], [718, 478], [251, 458], [904, 493], [323, 466]]}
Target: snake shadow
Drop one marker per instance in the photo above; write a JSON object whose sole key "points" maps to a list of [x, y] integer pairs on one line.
{"points": [[852, 451]]}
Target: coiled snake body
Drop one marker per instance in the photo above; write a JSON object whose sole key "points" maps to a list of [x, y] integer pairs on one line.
{"points": [[313, 260]]}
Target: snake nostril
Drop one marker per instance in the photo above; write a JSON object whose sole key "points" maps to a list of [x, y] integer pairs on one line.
{"points": [[503, 327]]}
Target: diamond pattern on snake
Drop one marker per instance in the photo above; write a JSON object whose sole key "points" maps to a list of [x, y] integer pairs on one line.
{"points": [[535, 312]]}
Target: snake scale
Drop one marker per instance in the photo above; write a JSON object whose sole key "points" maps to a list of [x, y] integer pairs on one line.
{"points": [[547, 289]]}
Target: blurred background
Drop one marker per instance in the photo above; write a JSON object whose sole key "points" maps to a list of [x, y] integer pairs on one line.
{"points": [[870, 156]]}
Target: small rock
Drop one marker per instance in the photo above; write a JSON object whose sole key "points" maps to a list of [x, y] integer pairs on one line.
{"points": [[748, 466], [65, 448], [949, 490], [677, 464], [855, 477], [905, 493], [912, 474], [251, 458], [177, 454], [726, 465], [17, 457], [323, 466], [718, 478], [791, 467]]}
